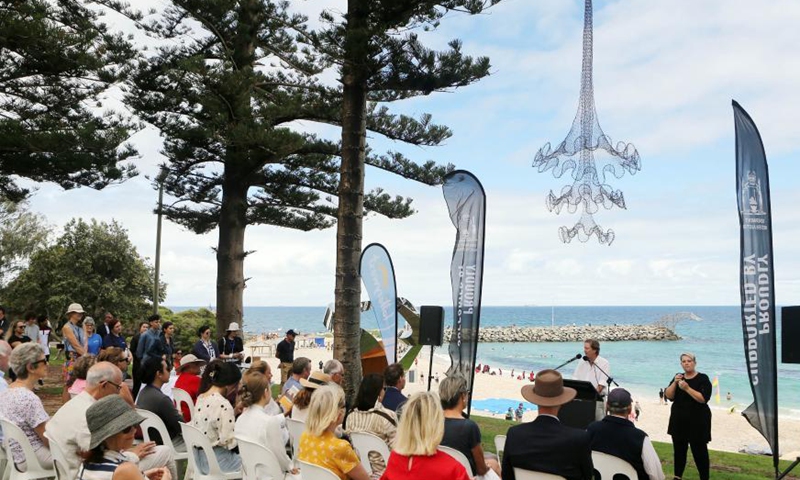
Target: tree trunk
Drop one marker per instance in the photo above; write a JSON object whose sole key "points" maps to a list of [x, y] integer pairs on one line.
{"points": [[230, 254], [347, 316]]}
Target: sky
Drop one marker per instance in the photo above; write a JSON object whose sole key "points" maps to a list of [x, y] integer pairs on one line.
{"points": [[664, 76]]}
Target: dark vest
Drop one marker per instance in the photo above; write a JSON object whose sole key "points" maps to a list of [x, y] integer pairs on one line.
{"points": [[618, 437]]}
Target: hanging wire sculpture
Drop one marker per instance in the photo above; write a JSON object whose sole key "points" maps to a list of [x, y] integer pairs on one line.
{"points": [[589, 189]]}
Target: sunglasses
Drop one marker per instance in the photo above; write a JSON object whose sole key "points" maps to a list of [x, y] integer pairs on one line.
{"points": [[37, 362]]}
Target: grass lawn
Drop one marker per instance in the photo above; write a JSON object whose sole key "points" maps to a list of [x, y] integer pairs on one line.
{"points": [[724, 465]]}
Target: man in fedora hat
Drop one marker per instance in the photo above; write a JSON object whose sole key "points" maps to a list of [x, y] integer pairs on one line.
{"points": [[285, 353], [616, 435], [230, 347], [545, 445]]}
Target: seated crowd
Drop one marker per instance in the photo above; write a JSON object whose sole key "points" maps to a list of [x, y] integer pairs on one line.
{"points": [[94, 430]]}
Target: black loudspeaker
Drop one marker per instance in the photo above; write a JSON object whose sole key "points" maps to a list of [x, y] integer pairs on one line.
{"points": [[790, 334], [431, 325]]}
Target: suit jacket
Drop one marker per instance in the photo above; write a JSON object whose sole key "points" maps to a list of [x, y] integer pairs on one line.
{"points": [[393, 398], [546, 445]]}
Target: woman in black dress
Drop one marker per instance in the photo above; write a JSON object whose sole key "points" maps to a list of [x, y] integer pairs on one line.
{"points": [[690, 417]]}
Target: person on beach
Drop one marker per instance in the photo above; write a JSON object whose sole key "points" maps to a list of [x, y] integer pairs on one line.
{"points": [[545, 444], [690, 417], [462, 433], [637, 409], [395, 378], [616, 436], [660, 396], [285, 354], [415, 454]]}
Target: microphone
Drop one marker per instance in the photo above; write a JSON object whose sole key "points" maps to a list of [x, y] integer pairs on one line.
{"points": [[576, 357], [585, 358]]}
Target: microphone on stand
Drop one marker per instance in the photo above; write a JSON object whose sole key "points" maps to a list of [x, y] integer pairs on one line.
{"points": [[576, 357]]}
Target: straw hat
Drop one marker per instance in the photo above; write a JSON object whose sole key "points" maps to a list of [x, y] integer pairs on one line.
{"points": [[316, 379], [75, 308], [190, 358], [548, 390], [109, 416]]}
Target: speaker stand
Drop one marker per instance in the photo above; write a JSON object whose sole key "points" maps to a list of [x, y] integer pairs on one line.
{"points": [[430, 369]]}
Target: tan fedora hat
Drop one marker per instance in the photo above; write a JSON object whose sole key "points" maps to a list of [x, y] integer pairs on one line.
{"points": [[548, 390], [316, 379]]}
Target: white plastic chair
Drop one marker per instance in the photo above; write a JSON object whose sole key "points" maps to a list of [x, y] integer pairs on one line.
{"points": [[151, 420], [3, 463], [365, 442], [35, 470], [315, 472], [462, 459], [521, 474], [296, 428], [609, 465], [500, 445], [180, 396], [258, 462], [60, 463], [195, 439]]}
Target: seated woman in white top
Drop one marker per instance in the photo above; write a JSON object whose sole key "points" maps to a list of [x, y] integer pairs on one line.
{"points": [[213, 414], [20, 406], [112, 423], [256, 425]]}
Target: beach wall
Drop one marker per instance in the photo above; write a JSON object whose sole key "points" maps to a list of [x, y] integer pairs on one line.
{"points": [[602, 333]]}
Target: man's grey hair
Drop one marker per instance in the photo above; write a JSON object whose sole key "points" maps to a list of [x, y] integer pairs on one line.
{"points": [[300, 365], [333, 366], [5, 348], [24, 355], [102, 372]]}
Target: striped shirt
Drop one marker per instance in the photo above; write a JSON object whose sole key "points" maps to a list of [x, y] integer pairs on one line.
{"points": [[378, 421], [103, 470]]}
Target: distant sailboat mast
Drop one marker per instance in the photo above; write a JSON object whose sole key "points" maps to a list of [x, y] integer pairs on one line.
{"points": [[553, 316]]}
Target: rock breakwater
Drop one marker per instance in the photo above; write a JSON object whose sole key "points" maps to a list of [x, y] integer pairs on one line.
{"points": [[602, 333]]}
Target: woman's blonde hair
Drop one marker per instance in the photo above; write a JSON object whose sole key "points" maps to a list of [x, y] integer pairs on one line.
{"points": [[421, 426], [690, 355], [324, 408]]}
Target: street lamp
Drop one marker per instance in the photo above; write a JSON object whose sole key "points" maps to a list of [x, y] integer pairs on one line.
{"points": [[162, 177]]}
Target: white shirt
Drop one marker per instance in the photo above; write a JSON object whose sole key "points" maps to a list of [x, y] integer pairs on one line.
{"points": [[652, 465], [257, 426], [213, 415], [69, 428], [3, 382], [591, 373]]}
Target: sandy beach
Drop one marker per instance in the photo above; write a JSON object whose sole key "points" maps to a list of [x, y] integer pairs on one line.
{"points": [[729, 431]]}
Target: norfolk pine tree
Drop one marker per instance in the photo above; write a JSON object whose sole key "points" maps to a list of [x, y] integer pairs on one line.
{"points": [[381, 59], [56, 58], [222, 91]]}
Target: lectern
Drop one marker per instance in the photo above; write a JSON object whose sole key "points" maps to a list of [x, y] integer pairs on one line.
{"points": [[581, 411]]}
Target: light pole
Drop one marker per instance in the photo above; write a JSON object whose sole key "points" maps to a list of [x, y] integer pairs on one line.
{"points": [[162, 176]]}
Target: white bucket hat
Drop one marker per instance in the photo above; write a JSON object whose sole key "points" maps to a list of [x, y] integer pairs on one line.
{"points": [[75, 308], [233, 327]]}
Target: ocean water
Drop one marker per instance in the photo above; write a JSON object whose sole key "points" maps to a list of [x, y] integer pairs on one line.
{"points": [[642, 366]]}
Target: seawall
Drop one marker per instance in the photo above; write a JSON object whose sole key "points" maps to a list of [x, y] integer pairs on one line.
{"points": [[602, 333]]}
